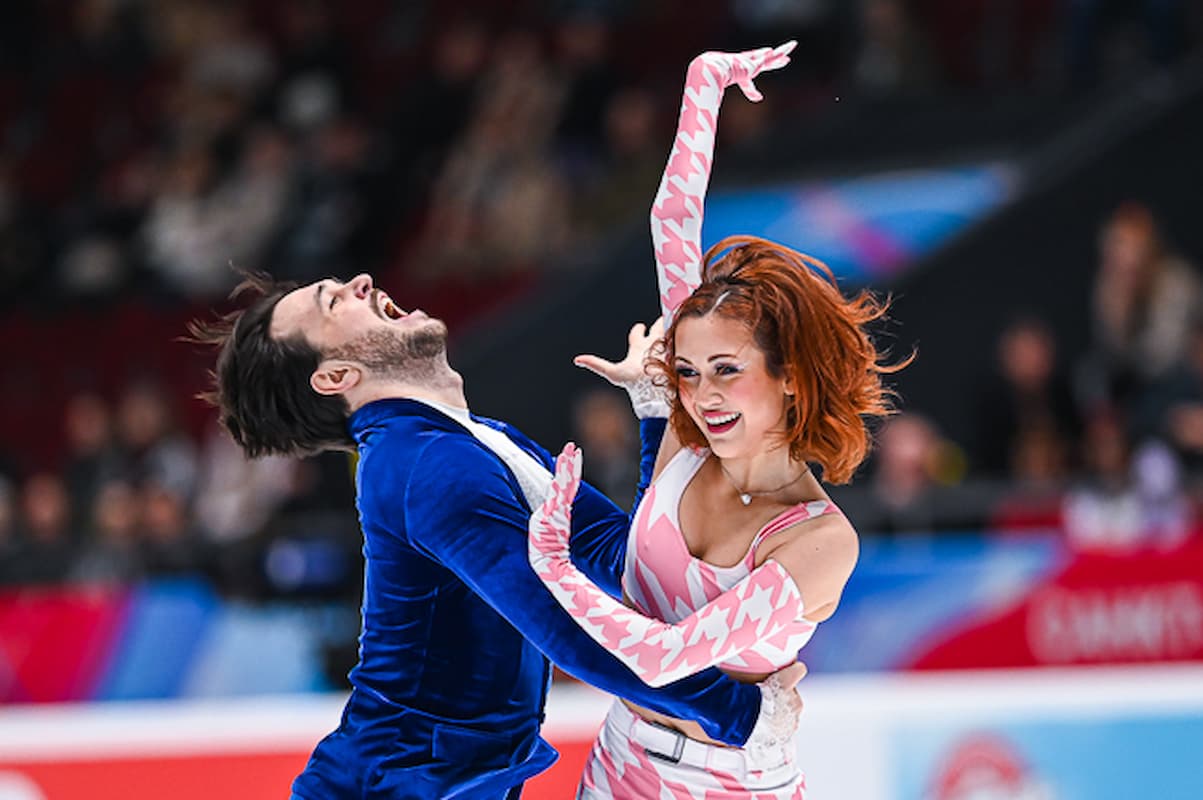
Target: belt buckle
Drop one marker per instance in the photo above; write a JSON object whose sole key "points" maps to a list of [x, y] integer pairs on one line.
{"points": [[678, 748]]}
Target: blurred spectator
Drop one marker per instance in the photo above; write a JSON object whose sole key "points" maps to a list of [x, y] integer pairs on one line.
{"points": [[230, 56], [983, 44], [601, 421], [746, 127], [1104, 511], [93, 265], [1035, 490], [92, 454], [188, 230], [236, 496], [1171, 408], [155, 448], [21, 244], [111, 553], [1126, 501], [903, 481], [199, 221], [583, 62], [47, 549], [911, 486], [499, 204], [169, 542], [1026, 411], [312, 544], [1168, 516], [10, 543], [629, 167], [428, 115], [258, 193], [1112, 38], [315, 61], [1145, 298], [326, 231], [892, 57]]}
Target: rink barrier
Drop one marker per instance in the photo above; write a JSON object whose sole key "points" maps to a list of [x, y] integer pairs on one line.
{"points": [[1098, 732]]}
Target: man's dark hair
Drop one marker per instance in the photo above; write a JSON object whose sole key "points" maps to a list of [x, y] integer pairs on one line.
{"points": [[261, 385]]}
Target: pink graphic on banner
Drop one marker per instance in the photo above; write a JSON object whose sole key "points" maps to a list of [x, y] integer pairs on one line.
{"points": [[985, 765]]}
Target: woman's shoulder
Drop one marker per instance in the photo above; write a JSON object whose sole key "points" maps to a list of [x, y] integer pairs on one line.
{"points": [[807, 520]]}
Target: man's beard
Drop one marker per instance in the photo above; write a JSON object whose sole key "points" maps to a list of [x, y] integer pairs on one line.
{"points": [[415, 356]]}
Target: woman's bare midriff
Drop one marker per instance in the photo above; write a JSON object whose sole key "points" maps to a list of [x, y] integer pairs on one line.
{"points": [[686, 726]]}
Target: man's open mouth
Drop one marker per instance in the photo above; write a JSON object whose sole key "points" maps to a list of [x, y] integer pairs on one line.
{"points": [[388, 308]]}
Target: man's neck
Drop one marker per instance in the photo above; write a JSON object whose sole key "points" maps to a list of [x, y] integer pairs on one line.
{"points": [[447, 388]]}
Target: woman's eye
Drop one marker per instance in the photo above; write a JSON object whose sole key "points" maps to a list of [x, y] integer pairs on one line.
{"points": [[333, 300], [686, 372], [727, 369]]}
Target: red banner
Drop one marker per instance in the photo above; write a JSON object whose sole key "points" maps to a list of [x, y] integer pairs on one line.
{"points": [[1101, 609], [232, 776]]}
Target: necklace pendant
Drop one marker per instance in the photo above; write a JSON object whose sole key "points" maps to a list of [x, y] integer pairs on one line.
{"points": [[745, 498]]}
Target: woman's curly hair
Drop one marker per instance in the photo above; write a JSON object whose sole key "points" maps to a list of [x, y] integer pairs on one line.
{"points": [[807, 330]]}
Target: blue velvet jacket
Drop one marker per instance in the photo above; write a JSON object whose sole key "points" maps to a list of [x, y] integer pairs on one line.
{"points": [[457, 629]]}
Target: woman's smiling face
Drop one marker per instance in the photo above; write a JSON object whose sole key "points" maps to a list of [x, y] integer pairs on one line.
{"points": [[726, 388]]}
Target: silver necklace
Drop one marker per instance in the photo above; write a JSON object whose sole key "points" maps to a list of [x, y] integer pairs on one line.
{"points": [[746, 497]]}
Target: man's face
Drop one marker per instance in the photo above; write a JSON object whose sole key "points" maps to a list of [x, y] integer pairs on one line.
{"points": [[355, 321]]}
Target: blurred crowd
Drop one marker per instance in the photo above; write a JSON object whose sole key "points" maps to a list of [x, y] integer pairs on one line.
{"points": [[1107, 447], [135, 497], [460, 148], [147, 146]]}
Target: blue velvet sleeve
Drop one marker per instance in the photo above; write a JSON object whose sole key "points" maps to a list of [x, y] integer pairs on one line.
{"points": [[461, 510]]}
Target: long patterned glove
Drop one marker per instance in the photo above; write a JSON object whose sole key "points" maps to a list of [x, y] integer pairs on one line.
{"points": [[677, 211], [760, 606]]}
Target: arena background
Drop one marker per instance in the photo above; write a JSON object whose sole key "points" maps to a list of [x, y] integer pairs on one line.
{"points": [[1023, 178]]}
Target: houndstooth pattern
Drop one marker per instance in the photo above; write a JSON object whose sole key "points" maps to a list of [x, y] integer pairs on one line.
{"points": [[676, 217]]}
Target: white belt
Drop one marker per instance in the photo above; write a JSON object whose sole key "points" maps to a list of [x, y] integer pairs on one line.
{"points": [[666, 744]]}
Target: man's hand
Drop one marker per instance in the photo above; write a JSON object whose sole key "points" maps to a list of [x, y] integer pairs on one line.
{"points": [[780, 710], [648, 399]]}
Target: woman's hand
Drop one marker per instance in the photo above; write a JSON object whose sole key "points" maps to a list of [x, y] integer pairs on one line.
{"points": [[648, 399], [740, 68], [551, 524]]}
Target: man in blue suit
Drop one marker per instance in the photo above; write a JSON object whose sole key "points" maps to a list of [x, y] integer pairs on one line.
{"points": [[453, 672]]}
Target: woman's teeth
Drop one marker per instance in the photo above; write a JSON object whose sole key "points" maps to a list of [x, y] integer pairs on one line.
{"points": [[723, 423]]}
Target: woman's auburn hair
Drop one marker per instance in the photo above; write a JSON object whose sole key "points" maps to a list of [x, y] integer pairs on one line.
{"points": [[806, 330]]}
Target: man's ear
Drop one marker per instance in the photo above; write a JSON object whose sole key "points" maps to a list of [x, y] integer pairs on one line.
{"points": [[335, 376]]}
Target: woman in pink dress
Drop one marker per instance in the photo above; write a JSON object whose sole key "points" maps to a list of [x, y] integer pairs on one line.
{"points": [[736, 553]]}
